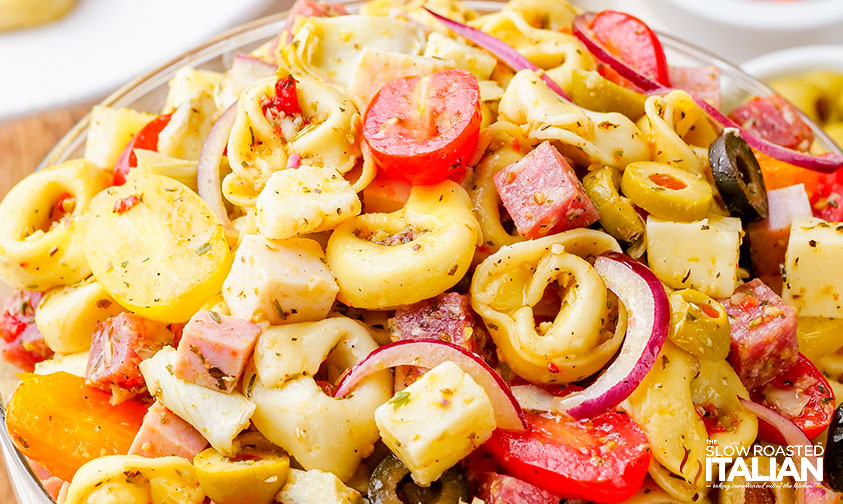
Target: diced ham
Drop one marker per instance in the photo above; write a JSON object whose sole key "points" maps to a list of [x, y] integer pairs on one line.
{"points": [[498, 488], [542, 194], [20, 340], [768, 238], [164, 434], [118, 345], [448, 317], [53, 486], [701, 81], [763, 333], [215, 349], [774, 119], [385, 195]]}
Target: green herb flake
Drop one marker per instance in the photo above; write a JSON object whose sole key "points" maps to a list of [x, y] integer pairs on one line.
{"points": [[400, 399], [277, 306], [203, 249]]}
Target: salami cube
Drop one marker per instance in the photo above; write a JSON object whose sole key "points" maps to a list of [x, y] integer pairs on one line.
{"points": [[763, 333], [775, 120], [118, 345], [542, 194], [495, 488], [701, 81], [214, 350], [164, 434]]}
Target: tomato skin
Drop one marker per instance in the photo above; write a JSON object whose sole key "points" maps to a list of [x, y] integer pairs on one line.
{"points": [[602, 459], [817, 413], [61, 423], [147, 138], [633, 42], [424, 140], [827, 201]]}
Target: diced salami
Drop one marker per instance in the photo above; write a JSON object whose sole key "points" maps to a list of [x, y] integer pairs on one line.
{"points": [[21, 341], [701, 81], [768, 238], [214, 350], [763, 333], [498, 488], [448, 317], [774, 119], [164, 434], [543, 195], [118, 345]]}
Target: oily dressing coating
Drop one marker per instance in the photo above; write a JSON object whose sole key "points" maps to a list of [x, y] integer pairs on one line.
{"points": [[318, 430], [585, 136], [510, 283], [257, 148]]}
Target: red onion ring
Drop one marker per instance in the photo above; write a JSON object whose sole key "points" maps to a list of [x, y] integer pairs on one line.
{"points": [[648, 313], [814, 492], [499, 49], [208, 180], [429, 353], [826, 163]]}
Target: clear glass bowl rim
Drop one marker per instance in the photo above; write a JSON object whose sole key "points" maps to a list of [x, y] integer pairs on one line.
{"points": [[264, 28]]}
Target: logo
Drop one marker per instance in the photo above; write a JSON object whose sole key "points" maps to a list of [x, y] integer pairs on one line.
{"points": [[763, 463]]}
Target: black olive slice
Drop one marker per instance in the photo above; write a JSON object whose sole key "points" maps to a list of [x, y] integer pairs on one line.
{"points": [[390, 482], [738, 176], [833, 456]]}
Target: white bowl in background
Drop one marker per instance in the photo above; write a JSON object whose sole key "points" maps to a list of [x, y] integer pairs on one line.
{"points": [[796, 60]]}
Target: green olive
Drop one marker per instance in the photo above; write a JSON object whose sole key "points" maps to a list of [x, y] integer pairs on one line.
{"points": [[699, 324], [592, 91], [617, 215], [667, 192], [738, 176], [390, 484]]}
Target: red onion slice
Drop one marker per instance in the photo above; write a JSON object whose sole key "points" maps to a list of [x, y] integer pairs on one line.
{"points": [[813, 492], [648, 315], [825, 163], [208, 180], [499, 49], [429, 353]]}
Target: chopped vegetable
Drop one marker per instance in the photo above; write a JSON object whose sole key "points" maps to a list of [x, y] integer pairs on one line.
{"points": [[667, 192], [699, 324], [738, 177]]}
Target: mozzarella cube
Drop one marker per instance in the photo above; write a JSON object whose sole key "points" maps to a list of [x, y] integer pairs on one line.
{"points": [[813, 278], [185, 134], [109, 131], [702, 255], [316, 487], [478, 62], [376, 68], [187, 83], [437, 421], [305, 200], [280, 282]]}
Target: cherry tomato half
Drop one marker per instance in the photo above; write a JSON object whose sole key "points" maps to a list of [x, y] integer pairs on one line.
{"points": [[827, 201], [147, 138], [633, 42], [801, 394], [423, 130], [602, 459]]}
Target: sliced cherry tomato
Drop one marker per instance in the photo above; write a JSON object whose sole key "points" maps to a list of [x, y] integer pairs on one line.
{"points": [[602, 459], [827, 201], [801, 394], [147, 138], [423, 130], [633, 42], [775, 120], [61, 423], [20, 340]]}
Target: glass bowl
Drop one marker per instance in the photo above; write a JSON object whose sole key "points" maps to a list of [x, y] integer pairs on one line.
{"points": [[147, 93]]}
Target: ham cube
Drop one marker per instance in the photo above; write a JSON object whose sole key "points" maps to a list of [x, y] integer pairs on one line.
{"points": [[763, 333], [118, 345], [768, 238], [448, 317], [542, 194], [495, 488], [701, 81], [214, 350], [164, 434]]}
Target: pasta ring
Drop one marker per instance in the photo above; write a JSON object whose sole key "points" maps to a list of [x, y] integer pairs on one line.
{"points": [[37, 252], [387, 260], [510, 283], [318, 430]]}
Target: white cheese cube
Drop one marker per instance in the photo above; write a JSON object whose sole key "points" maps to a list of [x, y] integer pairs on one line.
{"points": [[109, 131], [316, 487], [187, 83], [435, 422], [280, 282], [478, 62], [702, 255], [376, 68], [185, 134], [813, 277], [305, 200]]}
